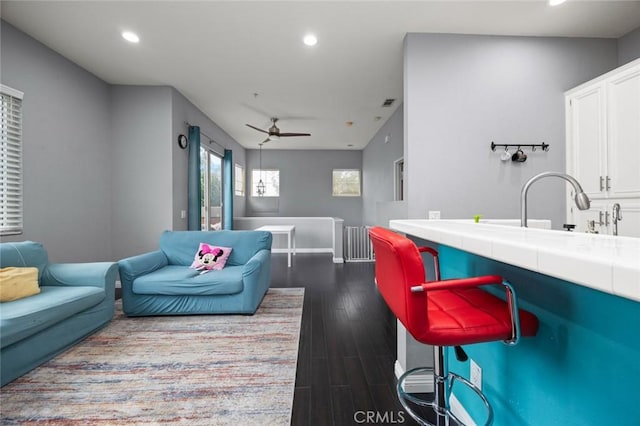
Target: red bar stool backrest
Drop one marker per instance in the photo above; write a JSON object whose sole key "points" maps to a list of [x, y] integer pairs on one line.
{"points": [[398, 267]]}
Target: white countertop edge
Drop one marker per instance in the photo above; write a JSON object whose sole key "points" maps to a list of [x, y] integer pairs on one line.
{"points": [[604, 263]]}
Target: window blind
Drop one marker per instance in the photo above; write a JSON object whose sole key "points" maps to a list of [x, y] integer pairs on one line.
{"points": [[239, 180], [10, 161]]}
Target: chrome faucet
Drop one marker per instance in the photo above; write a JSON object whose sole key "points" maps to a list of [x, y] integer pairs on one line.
{"points": [[616, 217], [581, 199]]}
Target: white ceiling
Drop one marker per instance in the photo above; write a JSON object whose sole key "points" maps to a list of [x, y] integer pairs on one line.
{"points": [[220, 54]]}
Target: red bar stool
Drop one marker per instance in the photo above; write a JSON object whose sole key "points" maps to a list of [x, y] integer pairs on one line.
{"points": [[443, 313]]}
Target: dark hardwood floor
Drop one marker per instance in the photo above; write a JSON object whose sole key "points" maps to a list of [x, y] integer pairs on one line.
{"points": [[347, 344]]}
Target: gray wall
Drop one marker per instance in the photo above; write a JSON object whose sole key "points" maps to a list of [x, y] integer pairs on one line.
{"points": [[66, 156], [462, 92], [629, 47], [141, 167], [305, 184], [183, 111], [378, 159], [150, 169], [103, 174]]}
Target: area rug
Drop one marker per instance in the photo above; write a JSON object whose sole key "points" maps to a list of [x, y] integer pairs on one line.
{"points": [[196, 370]]}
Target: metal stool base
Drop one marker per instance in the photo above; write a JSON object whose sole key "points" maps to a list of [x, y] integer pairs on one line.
{"points": [[443, 385]]}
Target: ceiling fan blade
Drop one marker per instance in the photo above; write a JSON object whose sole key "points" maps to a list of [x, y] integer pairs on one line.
{"points": [[264, 141], [295, 134], [256, 128]]}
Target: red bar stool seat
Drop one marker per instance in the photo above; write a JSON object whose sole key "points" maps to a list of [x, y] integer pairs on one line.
{"points": [[443, 313]]}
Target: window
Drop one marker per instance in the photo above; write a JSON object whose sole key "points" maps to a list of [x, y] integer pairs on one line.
{"points": [[238, 183], [210, 190], [10, 161], [271, 180], [346, 183]]}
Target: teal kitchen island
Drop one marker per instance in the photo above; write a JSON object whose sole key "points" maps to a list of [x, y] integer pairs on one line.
{"points": [[583, 367]]}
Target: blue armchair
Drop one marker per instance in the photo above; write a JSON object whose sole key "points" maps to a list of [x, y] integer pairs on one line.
{"points": [[162, 283]]}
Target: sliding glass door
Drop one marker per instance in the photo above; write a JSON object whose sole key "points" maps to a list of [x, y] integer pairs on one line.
{"points": [[211, 190]]}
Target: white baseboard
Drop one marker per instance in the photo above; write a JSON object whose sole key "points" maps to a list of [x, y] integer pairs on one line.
{"points": [[303, 250], [416, 383], [459, 411], [338, 260]]}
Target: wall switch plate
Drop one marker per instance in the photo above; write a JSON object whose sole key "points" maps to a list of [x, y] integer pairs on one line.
{"points": [[434, 214], [475, 374], [183, 214]]}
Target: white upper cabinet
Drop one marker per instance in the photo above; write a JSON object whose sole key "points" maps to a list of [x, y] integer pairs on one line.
{"points": [[586, 134], [603, 150], [603, 134], [623, 131]]}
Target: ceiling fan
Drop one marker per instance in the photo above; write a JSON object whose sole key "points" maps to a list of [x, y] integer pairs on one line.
{"points": [[274, 132]]}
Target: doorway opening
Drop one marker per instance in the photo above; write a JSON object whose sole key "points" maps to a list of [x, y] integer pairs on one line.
{"points": [[398, 179], [210, 190]]}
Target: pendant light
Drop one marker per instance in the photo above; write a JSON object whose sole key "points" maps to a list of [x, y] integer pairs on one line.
{"points": [[260, 185]]}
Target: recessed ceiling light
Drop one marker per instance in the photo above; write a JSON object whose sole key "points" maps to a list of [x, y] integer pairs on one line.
{"points": [[556, 2], [130, 37], [310, 40]]}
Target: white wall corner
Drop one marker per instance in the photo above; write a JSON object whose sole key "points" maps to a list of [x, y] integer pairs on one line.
{"points": [[459, 411], [416, 383]]}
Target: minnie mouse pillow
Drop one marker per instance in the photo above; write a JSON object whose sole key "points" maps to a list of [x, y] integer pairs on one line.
{"points": [[210, 257]]}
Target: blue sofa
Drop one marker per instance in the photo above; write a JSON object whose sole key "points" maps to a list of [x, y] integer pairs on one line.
{"points": [[75, 300], [162, 283]]}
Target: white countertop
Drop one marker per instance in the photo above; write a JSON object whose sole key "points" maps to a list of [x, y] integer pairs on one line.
{"points": [[606, 263]]}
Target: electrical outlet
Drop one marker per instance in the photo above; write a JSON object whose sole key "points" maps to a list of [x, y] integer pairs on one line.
{"points": [[475, 374], [434, 214], [183, 214]]}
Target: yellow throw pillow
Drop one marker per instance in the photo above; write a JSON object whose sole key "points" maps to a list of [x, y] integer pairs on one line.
{"points": [[17, 283]]}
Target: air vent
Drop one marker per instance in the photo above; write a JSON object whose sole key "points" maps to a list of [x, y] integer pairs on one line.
{"points": [[388, 102]]}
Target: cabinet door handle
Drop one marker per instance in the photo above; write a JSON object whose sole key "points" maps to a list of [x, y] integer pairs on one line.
{"points": [[601, 183], [608, 184], [603, 218]]}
